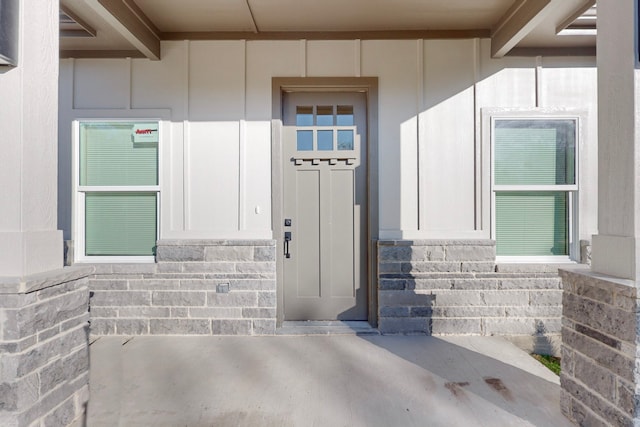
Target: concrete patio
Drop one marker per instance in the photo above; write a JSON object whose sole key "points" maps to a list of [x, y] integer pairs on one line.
{"points": [[330, 380]]}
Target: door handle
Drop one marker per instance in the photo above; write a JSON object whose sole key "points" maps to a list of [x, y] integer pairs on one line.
{"points": [[287, 239]]}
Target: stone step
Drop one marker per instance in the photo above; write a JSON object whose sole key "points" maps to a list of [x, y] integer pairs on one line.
{"points": [[332, 327]]}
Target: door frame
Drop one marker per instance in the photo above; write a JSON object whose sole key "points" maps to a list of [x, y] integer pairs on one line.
{"points": [[368, 85]]}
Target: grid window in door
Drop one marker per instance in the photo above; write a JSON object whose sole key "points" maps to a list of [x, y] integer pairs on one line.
{"points": [[534, 184], [118, 188], [325, 128]]}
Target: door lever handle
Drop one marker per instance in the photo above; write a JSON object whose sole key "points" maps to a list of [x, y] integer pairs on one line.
{"points": [[287, 239]]}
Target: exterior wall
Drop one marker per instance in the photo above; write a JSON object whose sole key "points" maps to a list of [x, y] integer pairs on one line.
{"points": [[600, 350], [196, 287], [215, 100], [44, 349], [442, 287]]}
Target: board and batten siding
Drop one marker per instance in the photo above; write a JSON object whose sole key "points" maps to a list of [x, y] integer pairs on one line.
{"points": [[215, 97]]}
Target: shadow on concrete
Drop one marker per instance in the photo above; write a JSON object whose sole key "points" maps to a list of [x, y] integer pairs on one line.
{"points": [[319, 380]]}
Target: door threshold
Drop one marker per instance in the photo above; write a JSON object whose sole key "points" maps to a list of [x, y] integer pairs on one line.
{"points": [[326, 327]]}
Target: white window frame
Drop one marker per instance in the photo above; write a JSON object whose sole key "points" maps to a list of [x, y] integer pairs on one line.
{"points": [[573, 190], [79, 192]]}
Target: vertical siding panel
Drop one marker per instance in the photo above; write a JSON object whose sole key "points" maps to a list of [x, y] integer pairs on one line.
{"points": [[213, 170], [101, 83], [330, 58], [216, 81], [159, 84], [216, 107], [448, 137], [394, 62], [505, 82]]}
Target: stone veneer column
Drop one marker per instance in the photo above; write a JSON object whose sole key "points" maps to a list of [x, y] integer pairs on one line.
{"points": [[600, 379], [44, 357]]}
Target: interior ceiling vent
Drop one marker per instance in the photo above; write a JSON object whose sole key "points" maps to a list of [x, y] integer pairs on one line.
{"points": [[72, 26], [582, 24]]}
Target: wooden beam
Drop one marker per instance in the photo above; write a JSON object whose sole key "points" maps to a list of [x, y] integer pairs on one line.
{"points": [[516, 23], [575, 15], [88, 28], [130, 25], [65, 54], [586, 51], [328, 35]]}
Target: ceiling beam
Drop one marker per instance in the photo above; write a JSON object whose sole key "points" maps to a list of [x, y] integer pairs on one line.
{"points": [[131, 23], [516, 23], [585, 51], [81, 22], [102, 54], [575, 15]]}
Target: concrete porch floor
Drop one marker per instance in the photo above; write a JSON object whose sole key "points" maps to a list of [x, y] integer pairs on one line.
{"points": [[329, 380]]}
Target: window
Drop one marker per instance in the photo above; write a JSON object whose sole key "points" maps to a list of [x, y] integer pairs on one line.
{"points": [[118, 191], [333, 128], [534, 186]]}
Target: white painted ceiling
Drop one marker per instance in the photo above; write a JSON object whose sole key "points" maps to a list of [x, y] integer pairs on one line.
{"points": [[325, 16]]}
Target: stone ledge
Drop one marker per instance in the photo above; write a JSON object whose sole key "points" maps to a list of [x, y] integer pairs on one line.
{"points": [[532, 267], [222, 242], [437, 242], [585, 271], [36, 282]]}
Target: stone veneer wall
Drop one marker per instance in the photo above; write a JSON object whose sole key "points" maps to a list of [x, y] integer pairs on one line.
{"points": [[600, 355], [455, 287], [44, 349], [196, 287]]}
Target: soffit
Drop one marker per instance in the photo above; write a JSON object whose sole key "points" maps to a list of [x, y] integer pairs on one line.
{"points": [[246, 19], [325, 15]]}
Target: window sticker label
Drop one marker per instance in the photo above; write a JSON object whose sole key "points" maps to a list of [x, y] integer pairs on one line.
{"points": [[145, 132]]}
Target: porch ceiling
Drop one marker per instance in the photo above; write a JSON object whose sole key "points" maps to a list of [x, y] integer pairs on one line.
{"points": [[134, 28]]}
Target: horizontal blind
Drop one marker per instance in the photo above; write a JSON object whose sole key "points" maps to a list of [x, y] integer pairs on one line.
{"points": [[120, 224], [534, 152], [108, 156], [532, 223]]}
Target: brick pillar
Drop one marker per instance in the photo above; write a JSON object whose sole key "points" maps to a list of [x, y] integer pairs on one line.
{"points": [[600, 380]]}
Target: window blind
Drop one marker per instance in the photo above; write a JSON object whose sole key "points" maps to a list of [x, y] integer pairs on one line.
{"points": [[532, 223], [120, 223], [534, 152], [108, 156]]}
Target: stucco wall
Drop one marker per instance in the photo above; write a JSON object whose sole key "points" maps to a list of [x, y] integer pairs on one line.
{"points": [[216, 98]]}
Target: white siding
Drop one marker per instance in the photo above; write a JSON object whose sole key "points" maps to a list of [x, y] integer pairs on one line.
{"points": [[102, 83], [331, 58], [216, 152], [160, 83], [212, 174], [395, 64], [447, 137]]}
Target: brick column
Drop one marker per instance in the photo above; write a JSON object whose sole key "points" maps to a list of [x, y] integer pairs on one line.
{"points": [[600, 380]]}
